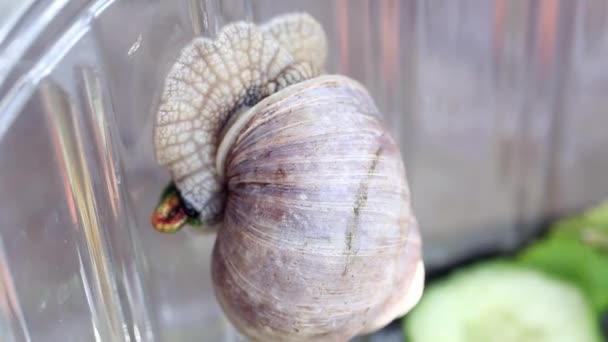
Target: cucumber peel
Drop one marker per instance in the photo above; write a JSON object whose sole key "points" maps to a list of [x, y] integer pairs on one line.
{"points": [[576, 250], [572, 261], [589, 228], [499, 301]]}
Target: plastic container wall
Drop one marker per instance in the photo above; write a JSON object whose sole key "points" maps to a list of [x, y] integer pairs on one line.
{"points": [[498, 106]]}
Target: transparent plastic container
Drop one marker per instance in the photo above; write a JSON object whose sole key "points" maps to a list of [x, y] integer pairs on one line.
{"points": [[499, 107]]}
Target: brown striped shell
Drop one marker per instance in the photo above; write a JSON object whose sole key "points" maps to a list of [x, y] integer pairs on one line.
{"points": [[318, 241]]}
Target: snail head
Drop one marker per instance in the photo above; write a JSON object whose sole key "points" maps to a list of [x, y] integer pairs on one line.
{"points": [[173, 212]]}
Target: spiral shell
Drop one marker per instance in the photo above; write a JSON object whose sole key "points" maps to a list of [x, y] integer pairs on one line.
{"points": [[318, 241]]}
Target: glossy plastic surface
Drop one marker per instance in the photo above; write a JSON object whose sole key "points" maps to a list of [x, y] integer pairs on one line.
{"points": [[499, 107]]}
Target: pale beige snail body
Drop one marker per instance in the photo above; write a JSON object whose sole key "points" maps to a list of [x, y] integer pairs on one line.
{"points": [[316, 237]]}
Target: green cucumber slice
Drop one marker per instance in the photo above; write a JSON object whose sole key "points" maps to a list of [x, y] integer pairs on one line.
{"points": [[501, 302]]}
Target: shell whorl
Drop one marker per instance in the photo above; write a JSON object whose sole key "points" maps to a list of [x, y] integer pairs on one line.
{"points": [[212, 79], [318, 217]]}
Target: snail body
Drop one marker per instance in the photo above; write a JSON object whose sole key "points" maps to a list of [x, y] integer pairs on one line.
{"points": [[317, 240]]}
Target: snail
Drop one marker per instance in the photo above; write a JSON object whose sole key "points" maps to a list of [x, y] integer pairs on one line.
{"points": [[315, 234]]}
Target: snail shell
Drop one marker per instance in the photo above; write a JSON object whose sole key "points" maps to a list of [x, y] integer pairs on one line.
{"points": [[318, 240]]}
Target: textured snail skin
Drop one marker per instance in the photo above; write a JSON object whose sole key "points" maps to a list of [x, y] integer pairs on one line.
{"points": [[301, 36], [318, 241], [213, 78]]}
